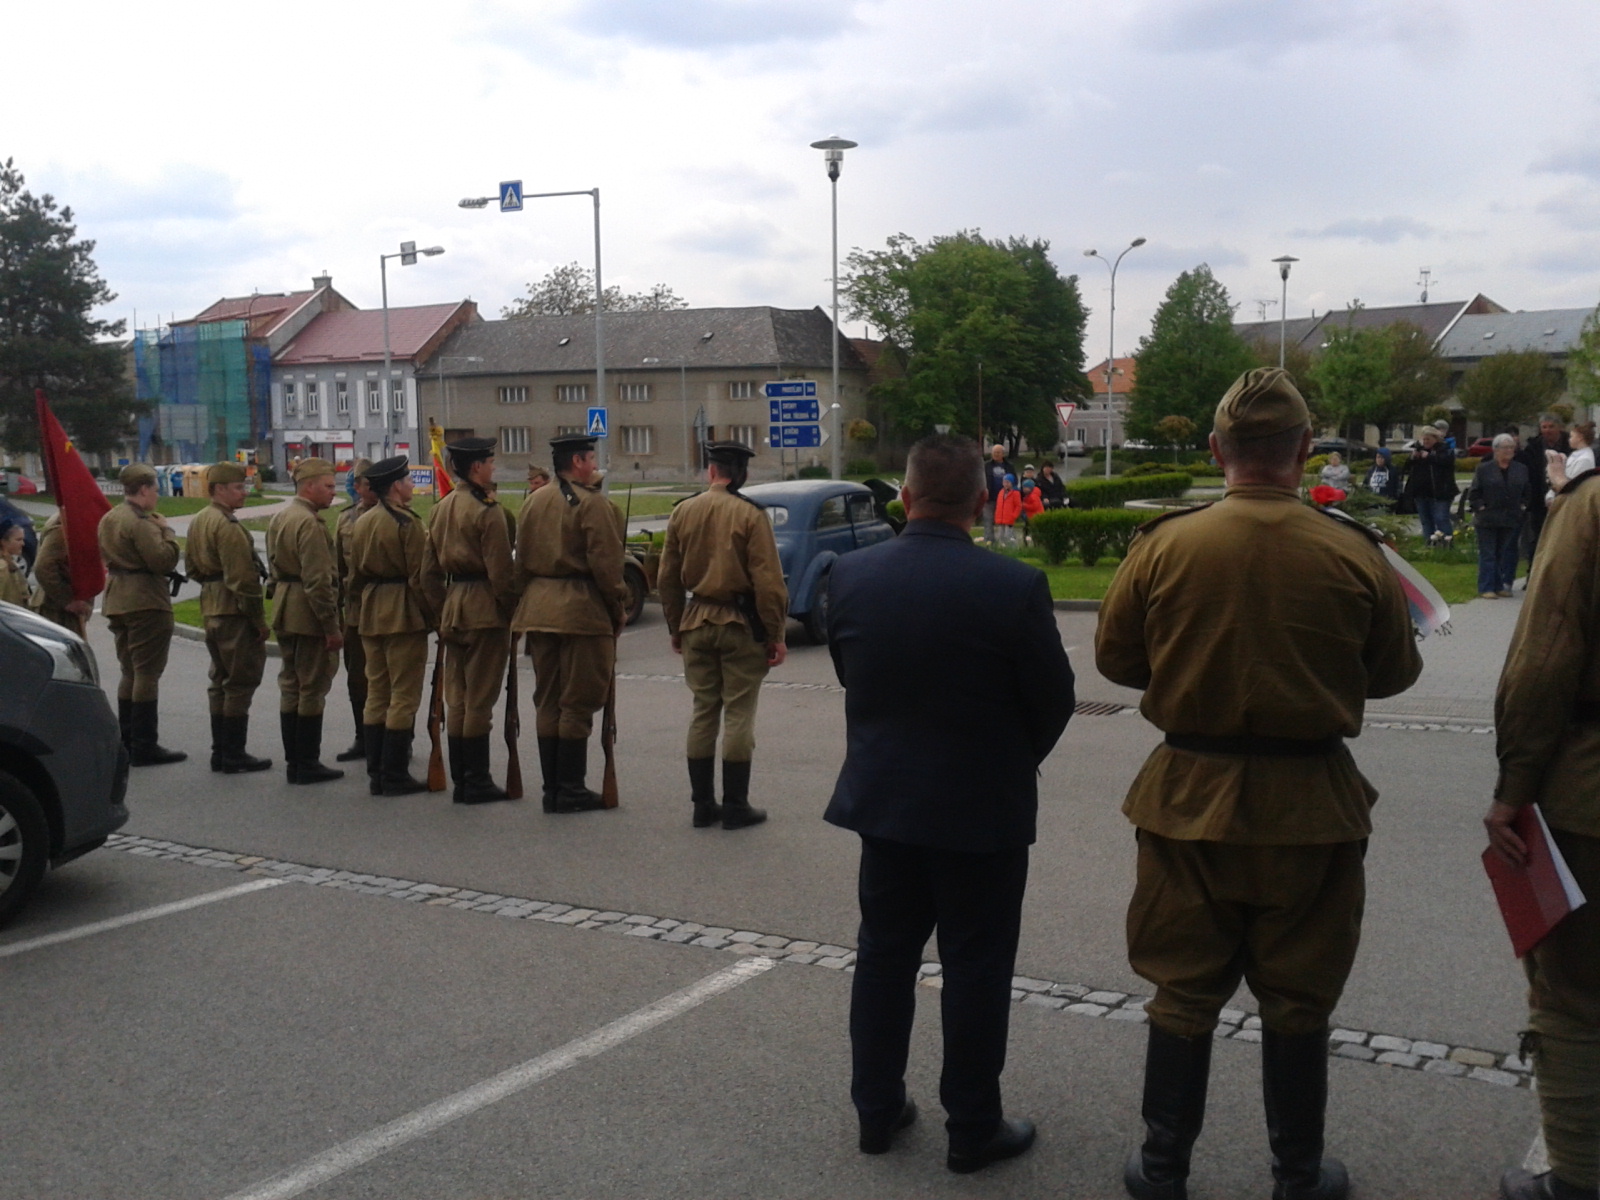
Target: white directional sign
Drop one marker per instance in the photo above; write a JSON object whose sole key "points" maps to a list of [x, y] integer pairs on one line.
{"points": [[597, 423], [511, 196]]}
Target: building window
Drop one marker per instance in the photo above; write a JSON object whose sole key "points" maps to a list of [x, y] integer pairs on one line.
{"points": [[567, 430], [341, 398], [374, 396], [742, 389], [572, 393], [515, 439], [633, 393], [513, 395], [291, 402], [397, 394], [313, 399], [636, 439], [744, 433]]}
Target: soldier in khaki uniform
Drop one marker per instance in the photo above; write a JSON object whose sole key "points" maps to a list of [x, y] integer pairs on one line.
{"points": [[726, 605], [1547, 729], [1257, 627], [399, 606], [221, 557], [469, 559], [54, 600], [14, 587], [355, 657], [140, 553], [569, 555], [305, 617]]}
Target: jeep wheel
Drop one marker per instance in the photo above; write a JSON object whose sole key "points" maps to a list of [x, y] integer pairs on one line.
{"points": [[24, 845]]}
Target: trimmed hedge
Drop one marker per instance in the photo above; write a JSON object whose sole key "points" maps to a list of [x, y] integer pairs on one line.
{"points": [[1114, 493], [1091, 534]]}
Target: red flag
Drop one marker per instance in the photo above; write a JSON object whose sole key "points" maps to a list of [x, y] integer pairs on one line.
{"points": [[81, 501], [441, 477]]}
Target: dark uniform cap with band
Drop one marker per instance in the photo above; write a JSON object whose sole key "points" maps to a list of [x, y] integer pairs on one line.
{"points": [[388, 470], [472, 447], [1262, 402], [579, 442], [729, 454], [137, 475], [224, 472]]}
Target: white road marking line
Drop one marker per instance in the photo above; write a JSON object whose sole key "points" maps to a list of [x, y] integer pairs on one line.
{"points": [[363, 1149], [134, 918], [1537, 1161]]}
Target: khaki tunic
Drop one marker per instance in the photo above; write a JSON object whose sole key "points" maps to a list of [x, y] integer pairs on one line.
{"points": [[14, 581], [306, 596], [469, 557], [139, 555], [569, 553], [355, 654], [221, 557], [53, 574], [399, 605], [720, 546], [1255, 616]]}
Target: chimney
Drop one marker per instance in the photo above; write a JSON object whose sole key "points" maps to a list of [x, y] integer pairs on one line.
{"points": [[322, 281]]}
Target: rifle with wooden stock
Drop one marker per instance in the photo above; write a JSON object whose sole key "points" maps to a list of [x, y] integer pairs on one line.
{"points": [[437, 781], [513, 724], [608, 743]]}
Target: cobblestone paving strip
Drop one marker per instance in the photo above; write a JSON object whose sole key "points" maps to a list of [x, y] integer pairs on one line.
{"points": [[1496, 1068]]}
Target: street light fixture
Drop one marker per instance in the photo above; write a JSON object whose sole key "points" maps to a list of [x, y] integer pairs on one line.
{"points": [[599, 301], [1283, 308], [833, 155], [407, 254], [1111, 335]]}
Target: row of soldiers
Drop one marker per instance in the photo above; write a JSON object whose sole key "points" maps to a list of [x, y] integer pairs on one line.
{"points": [[376, 587]]}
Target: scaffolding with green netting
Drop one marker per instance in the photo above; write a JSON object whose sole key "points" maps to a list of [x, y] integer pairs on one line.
{"points": [[207, 384]]}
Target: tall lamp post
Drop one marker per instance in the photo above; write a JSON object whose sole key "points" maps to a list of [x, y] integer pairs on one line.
{"points": [[599, 300], [683, 400], [833, 155], [1111, 335], [407, 254], [1283, 308]]}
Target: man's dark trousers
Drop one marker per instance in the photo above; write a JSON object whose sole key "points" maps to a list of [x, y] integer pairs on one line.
{"points": [[975, 900]]}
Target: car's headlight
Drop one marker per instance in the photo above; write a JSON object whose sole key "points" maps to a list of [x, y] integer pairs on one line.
{"points": [[70, 659]]}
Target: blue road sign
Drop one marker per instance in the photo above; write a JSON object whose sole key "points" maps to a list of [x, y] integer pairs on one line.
{"points": [[773, 389], [511, 196], [790, 411], [790, 437], [597, 423]]}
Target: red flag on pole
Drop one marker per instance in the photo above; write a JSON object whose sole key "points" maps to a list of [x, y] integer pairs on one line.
{"points": [[80, 499]]}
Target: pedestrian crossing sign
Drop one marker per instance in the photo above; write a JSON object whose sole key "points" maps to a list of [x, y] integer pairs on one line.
{"points": [[597, 423], [511, 196]]}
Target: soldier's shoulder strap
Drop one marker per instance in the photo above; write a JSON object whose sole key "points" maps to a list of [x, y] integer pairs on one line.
{"points": [[755, 504], [566, 490], [401, 518], [1173, 515], [1372, 534]]}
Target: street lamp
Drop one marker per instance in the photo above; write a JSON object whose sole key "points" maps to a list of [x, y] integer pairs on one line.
{"points": [[1111, 335], [838, 415], [683, 399], [407, 254], [833, 155], [599, 300], [1283, 308]]}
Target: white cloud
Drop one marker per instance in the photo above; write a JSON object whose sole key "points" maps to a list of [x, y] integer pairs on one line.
{"points": [[1381, 230]]}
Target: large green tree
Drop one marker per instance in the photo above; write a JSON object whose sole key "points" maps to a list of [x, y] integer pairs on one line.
{"points": [[1418, 378], [1190, 357], [568, 291], [1509, 388], [965, 317], [1583, 364], [1352, 375], [49, 337]]}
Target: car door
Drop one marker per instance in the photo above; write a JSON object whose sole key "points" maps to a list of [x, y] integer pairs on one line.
{"points": [[868, 527], [834, 532]]}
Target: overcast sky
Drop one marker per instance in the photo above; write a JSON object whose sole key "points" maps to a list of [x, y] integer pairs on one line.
{"points": [[215, 149]]}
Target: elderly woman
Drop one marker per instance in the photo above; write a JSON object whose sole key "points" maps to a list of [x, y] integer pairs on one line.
{"points": [[1498, 497], [1336, 474], [1431, 484]]}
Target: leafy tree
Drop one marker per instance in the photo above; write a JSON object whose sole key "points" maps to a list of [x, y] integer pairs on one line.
{"points": [[1296, 361], [1176, 432], [1509, 388], [1419, 379], [1583, 364], [49, 288], [569, 292], [1190, 357], [964, 317], [1352, 375]]}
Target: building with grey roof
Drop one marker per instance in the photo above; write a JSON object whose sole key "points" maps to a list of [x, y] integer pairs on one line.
{"points": [[674, 379], [1552, 330]]}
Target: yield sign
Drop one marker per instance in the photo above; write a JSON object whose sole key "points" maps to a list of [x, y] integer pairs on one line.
{"points": [[1065, 410]]}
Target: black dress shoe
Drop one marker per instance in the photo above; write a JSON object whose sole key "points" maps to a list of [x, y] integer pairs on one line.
{"points": [[1014, 1137], [877, 1139]]}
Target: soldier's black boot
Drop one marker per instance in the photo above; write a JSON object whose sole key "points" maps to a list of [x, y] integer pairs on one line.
{"points": [[289, 732], [309, 744], [1517, 1184], [372, 740], [396, 769], [1177, 1071], [736, 810], [478, 786], [572, 766], [147, 750], [358, 748], [1294, 1089], [549, 752], [236, 760], [458, 770], [219, 742], [703, 792], [125, 722]]}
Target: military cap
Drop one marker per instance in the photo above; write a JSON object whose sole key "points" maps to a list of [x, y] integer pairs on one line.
{"points": [[578, 442], [224, 472], [310, 468], [470, 448], [388, 470], [1261, 402], [137, 475], [359, 468], [729, 454]]}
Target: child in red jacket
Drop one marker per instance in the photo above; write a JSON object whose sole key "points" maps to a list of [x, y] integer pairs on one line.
{"points": [[1032, 502], [1007, 508]]}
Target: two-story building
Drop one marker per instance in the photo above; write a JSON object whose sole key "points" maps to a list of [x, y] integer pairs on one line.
{"points": [[674, 380]]}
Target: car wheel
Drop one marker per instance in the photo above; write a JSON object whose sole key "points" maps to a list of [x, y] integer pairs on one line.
{"points": [[633, 578], [816, 621], [24, 845]]}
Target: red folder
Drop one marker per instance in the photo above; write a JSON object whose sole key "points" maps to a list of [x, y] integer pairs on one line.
{"points": [[1533, 898]]}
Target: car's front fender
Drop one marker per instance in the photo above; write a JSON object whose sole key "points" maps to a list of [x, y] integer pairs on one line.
{"points": [[800, 594]]}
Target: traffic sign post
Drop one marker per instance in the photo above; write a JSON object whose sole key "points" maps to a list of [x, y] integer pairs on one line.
{"points": [[792, 437], [596, 426], [775, 389], [1064, 410], [785, 412], [511, 196]]}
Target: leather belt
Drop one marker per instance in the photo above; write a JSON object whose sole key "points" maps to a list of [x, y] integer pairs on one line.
{"points": [[289, 579], [466, 579], [390, 579], [1255, 745], [205, 578], [130, 570]]}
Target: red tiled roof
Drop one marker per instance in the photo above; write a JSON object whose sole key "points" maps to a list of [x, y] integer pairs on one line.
{"points": [[358, 336], [1121, 382], [263, 311]]}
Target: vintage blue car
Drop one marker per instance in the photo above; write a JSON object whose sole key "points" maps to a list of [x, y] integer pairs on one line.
{"points": [[815, 521]]}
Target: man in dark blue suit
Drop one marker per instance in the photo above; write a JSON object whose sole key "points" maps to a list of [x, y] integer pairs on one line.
{"points": [[956, 688]]}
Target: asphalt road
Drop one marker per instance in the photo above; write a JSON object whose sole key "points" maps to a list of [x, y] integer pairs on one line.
{"points": [[265, 1035]]}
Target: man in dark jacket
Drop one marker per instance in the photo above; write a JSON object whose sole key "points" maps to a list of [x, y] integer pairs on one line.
{"points": [[1498, 497], [1431, 484], [956, 688], [1531, 455]]}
